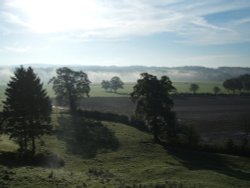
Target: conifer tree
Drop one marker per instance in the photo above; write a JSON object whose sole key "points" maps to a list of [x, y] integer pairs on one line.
{"points": [[27, 109]]}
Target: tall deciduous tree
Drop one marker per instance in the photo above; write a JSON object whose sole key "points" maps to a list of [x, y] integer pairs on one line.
{"points": [[194, 88], [70, 86], [116, 83], [27, 109], [233, 84], [245, 81], [154, 104]]}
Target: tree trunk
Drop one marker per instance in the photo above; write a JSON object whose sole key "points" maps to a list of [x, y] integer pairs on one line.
{"points": [[72, 105], [156, 138], [25, 137], [33, 146], [155, 130], [21, 143], [25, 143]]}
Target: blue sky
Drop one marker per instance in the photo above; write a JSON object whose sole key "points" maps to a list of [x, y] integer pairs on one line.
{"points": [[169, 33]]}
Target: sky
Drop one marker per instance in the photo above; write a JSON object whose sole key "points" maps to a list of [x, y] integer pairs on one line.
{"points": [[169, 33]]}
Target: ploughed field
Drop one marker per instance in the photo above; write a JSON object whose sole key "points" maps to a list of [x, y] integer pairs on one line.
{"points": [[215, 117]]}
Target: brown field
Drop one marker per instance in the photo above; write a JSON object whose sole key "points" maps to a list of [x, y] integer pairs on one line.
{"points": [[215, 117]]}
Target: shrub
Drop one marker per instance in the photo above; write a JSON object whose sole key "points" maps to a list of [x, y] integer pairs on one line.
{"points": [[104, 116], [187, 135]]}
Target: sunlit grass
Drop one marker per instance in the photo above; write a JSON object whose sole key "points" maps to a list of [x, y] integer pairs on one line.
{"points": [[6, 144], [204, 87], [182, 87]]}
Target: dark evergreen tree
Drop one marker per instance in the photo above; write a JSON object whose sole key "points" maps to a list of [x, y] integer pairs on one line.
{"points": [[70, 86], [154, 104], [27, 109]]}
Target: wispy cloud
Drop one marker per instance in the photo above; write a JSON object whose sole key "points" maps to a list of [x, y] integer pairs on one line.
{"points": [[119, 19], [15, 49], [12, 18]]}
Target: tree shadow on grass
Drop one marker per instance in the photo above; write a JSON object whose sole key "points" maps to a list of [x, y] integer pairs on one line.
{"points": [[195, 160], [16, 159], [85, 137]]}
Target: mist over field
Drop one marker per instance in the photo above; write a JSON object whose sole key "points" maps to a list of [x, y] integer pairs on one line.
{"points": [[124, 93], [131, 73]]}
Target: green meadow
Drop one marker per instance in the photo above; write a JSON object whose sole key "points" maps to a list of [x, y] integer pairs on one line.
{"points": [[182, 87], [129, 159]]}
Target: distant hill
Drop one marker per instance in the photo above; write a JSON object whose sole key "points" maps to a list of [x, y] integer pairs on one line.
{"points": [[132, 73]]}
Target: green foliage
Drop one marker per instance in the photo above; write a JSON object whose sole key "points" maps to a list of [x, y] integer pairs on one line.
{"points": [[194, 88], [153, 103], [103, 116], [27, 109], [116, 83], [233, 84], [245, 81], [216, 90], [106, 84], [70, 86], [238, 83], [138, 162], [7, 145], [98, 91]]}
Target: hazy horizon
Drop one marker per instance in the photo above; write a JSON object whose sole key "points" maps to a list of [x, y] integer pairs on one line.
{"points": [[169, 33], [131, 73], [44, 65]]}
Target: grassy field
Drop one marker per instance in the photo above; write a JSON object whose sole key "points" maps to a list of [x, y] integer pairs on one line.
{"points": [[135, 162], [97, 91], [182, 87]]}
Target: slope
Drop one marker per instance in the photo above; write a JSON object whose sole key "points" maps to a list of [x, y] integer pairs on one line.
{"points": [[135, 162]]}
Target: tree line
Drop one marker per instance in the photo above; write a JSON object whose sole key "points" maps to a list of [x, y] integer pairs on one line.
{"points": [[27, 108], [195, 87], [113, 84], [240, 83]]}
